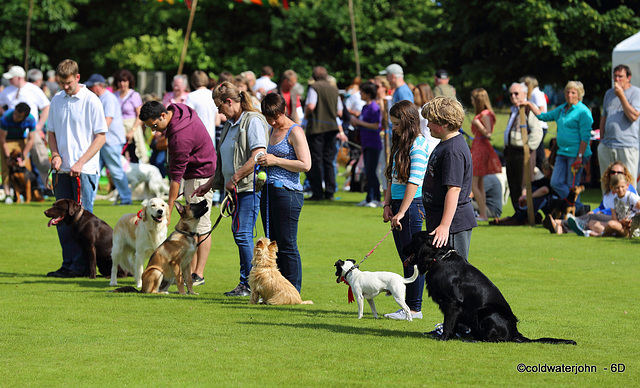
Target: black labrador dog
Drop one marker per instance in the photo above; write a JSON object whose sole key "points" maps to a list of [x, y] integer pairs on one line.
{"points": [[465, 295], [91, 233]]}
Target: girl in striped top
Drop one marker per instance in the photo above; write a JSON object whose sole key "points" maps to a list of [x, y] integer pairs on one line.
{"points": [[403, 198]]}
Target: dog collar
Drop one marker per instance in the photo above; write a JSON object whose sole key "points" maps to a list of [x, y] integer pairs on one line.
{"points": [[350, 269], [446, 254], [139, 215], [190, 234]]}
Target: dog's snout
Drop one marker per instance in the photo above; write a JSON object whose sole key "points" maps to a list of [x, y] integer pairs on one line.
{"points": [[160, 211]]}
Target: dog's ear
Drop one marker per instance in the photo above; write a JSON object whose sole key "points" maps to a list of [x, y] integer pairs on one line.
{"points": [[72, 207], [351, 260], [179, 207], [273, 246]]}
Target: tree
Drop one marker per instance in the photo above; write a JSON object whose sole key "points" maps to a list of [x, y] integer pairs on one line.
{"points": [[495, 43]]}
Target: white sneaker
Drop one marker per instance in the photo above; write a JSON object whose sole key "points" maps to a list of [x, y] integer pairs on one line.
{"points": [[362, 203], [8, 200], [371, 204], [400, 315]]}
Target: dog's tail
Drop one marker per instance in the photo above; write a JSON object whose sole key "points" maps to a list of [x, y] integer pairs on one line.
{"points": [[413, 277], [554, 341], [126, 289], [307, 302]]}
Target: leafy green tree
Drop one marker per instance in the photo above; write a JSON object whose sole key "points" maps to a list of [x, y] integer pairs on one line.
{"points": [[493, 43]]}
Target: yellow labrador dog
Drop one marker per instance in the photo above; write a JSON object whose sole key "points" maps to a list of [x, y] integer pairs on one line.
{"points": [[173, 257], [136, 236], [266, 281]]}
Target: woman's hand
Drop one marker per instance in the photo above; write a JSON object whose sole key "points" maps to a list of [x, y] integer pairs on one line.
{"points": [[395, 221], [387, 213], [268, 160]]}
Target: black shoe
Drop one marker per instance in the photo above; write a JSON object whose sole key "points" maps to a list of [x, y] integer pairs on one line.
{"points": [[240, 290], [197, 280], [63, 273], [48, 193], [315, 198]]}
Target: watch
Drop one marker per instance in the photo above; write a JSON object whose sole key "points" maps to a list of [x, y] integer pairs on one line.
{"points": [[580, 155]]}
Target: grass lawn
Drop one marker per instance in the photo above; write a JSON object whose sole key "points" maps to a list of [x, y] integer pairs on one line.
{"points": [[71, 332]]}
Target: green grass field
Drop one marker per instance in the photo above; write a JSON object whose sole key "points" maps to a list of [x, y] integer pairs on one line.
{"points": [[72, 332]]}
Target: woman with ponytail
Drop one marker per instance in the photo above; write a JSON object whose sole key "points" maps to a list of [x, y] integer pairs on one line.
{"points": [[243, 136]]}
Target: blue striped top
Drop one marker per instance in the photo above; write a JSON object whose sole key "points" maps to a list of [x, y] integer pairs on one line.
{"points": [[419, 158]]}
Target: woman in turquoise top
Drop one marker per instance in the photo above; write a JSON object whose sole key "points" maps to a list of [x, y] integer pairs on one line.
{"points": [[287, 156], [574, 122]]}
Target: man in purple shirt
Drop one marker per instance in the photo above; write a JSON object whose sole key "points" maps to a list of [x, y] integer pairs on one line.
{"points": [[192, 157]]}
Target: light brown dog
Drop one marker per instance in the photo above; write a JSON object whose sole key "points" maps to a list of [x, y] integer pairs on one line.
{"points": [[172, 259], [266, 281]]}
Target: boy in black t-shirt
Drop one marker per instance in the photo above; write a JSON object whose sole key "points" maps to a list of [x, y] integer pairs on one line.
{"points": [[447, 182]]}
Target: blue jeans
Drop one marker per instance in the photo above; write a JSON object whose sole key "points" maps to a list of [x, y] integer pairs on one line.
{"points": [[284, 207], [461, 241], [370, 158], [110, 157], [411, 224], [562, 178], [244, 220], [67, 188]]}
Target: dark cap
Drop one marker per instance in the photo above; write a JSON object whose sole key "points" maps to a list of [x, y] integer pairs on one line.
{"points": [[95, 79], [442, 74]]}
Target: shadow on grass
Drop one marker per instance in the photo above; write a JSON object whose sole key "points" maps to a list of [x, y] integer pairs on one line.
{"points": [[343, 329]]}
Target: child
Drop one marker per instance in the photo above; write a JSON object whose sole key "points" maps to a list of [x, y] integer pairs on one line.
{"points": [[626, 206], [402, 203], [447, 182]]}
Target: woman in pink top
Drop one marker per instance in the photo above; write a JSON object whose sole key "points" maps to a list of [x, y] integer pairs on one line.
{"points": [[130, 103]]}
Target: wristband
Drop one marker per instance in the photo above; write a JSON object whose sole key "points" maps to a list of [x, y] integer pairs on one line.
{"points": [[55, 156], [386, 206]]}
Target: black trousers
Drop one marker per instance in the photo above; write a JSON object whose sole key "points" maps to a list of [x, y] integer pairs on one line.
{"points": [[514, 160], [323, 151]]}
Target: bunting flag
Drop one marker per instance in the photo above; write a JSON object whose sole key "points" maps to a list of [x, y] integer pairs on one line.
{"points": [[273, 3]]}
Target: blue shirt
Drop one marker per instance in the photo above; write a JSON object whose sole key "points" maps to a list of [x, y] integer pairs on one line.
{"points": [[574, 126], [115, 135], [17, 131], [402, 93]]}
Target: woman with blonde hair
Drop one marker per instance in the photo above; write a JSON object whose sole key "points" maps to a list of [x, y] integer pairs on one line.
{"points": [[422, 94], [243, 138], [574, 121], [484, 158]]}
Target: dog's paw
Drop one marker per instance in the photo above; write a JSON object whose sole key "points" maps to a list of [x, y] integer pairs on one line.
{"points": [[115, 283], [193, 293]]}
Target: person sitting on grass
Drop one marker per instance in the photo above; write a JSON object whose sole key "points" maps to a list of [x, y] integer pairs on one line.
{"points": [[626, 206], [541, 194], [602, 213]]}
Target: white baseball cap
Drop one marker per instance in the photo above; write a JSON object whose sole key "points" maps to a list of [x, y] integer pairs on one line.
{"points": [[394, 68], [15, 71]]}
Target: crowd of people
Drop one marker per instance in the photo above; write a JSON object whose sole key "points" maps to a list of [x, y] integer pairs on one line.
{"points": [[416, 163]]}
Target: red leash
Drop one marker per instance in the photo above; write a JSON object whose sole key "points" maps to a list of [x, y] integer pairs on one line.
{"points": [[79, 191]]}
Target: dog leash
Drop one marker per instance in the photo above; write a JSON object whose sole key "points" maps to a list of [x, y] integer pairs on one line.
{"points": [[227, 208], [374, 248]]}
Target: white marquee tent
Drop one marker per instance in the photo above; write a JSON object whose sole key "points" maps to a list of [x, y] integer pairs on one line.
{"points": [[627, 52]]}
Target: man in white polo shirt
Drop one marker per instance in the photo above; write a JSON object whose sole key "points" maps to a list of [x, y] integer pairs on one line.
{"points": [[77, 128]]}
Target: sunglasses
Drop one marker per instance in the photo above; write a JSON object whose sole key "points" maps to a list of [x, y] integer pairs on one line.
{"points": [[615, 172], [153, 127]]}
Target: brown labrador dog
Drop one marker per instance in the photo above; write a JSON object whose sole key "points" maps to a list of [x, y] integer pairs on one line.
{"points": [[90, 232], [172, 259]]}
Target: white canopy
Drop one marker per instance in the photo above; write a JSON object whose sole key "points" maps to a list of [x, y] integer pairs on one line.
{"points": [[627, 53]]}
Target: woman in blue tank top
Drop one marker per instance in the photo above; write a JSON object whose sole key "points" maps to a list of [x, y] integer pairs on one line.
{"points": [[287, 156]]}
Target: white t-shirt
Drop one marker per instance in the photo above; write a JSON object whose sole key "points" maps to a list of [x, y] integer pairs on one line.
{"points": [[538, 98], [265, 83], [201, 100], [75, 120], [29, 93]]}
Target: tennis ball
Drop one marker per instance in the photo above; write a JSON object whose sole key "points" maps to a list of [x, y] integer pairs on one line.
{"points": [[262, 175]]}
